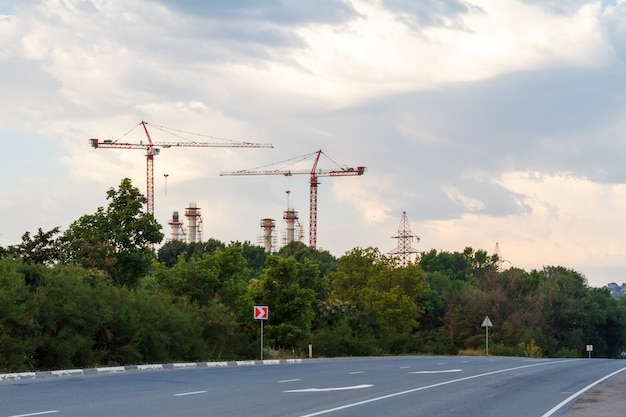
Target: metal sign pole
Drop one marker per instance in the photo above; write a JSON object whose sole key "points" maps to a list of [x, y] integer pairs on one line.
{"points": [[487, 324], [262, 339], [261, 313], [487, 339]]}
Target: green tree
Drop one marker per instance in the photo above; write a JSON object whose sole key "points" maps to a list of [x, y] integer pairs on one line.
{"points": [[392, 297], [117, 239], [70, 313], [255, 257], [42, 248], [299, 251], [284, 287], [170, 251], [454, 265], [19, 328]]}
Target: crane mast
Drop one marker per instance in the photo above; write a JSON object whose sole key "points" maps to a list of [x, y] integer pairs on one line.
{"points": [[314, 173], [152, 150]]}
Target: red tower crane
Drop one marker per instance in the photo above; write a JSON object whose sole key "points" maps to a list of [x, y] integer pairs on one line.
{"points": [[315, 174], [152, 149]]}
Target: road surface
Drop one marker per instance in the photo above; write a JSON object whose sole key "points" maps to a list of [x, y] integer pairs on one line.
{"points": [[390, 387]]}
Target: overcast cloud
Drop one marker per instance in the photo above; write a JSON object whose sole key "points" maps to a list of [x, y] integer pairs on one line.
{"points": [[485, 120]]}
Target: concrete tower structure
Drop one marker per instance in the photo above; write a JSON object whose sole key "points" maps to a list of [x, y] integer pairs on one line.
{"points": [[177, 227], [268, 238], [291, 221], [291, 217], [194, 223]]}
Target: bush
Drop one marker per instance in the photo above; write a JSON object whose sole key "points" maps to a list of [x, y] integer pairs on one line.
{"points": [[499, 349]]}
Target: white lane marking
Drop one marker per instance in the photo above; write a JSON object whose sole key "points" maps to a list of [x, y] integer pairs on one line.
{"points": [[437, 372], [331, 389], [288, 380], [405, 367], [356, 372], [36, 414], [571, 397], [182, 394], [397, 394]]}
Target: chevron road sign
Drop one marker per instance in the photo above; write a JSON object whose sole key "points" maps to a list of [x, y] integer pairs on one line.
{"points": [[261, 312]]}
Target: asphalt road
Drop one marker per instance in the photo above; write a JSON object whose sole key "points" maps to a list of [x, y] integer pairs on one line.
{"points": [[391, 387]]}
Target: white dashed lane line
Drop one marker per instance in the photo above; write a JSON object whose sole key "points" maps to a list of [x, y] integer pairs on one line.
{"points": [[288, 380], [331, 389], [437, 372]]}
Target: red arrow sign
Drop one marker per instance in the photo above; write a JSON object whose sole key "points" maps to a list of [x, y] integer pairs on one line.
{"points": [[261, 312]]}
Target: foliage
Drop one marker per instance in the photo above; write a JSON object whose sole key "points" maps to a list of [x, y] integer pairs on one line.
{"points": [[18, 324], [44, 248], [287, 288], [392, 297], [531, 350], [170, 251], [117, 239], [97, 296], [325, 262]]}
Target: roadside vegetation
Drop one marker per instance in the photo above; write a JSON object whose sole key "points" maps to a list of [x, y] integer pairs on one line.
{"points": [[99, 295]]}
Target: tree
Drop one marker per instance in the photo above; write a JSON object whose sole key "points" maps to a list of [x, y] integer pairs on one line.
{"points": [[43, 248], [284, 289], [19, 329], [255, 256], [392, 297], [170, 251], [299, 251], [117, 239], [454, 265]]}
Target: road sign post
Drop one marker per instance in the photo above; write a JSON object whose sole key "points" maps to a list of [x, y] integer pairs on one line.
{"points": [[486, 324], [261, 313], [589, 349]]}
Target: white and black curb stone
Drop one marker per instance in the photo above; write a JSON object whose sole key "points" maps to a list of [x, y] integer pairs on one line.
{"points": [[141, 368]]}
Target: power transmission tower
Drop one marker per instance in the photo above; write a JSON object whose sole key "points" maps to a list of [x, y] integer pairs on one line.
{"points": [[405, 237]]}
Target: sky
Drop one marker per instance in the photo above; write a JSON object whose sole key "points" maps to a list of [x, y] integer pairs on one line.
{"points": [[486, 121]]}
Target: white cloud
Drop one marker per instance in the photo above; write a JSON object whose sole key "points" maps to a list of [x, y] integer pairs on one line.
{"points": [[572, 222], [420, 106], [378, 53], [458, 197]]}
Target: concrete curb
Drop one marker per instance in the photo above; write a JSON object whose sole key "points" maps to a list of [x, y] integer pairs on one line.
{"points": [[141, 368]]}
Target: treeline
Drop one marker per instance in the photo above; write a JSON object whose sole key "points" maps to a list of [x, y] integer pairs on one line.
{"points": [[98, 295]]}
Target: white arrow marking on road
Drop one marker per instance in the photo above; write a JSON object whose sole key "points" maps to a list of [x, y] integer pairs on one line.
{"points": [[330, 389], [182, 394], [437, 372]]}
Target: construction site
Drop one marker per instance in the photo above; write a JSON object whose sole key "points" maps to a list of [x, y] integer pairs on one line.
{"points": [[268, 237], [271, 235]]}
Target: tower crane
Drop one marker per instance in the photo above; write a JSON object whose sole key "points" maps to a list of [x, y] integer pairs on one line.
{"points": [[314, 173], [152, 150]]}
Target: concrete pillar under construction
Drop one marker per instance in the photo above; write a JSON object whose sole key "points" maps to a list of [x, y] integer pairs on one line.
{"points": [[291, 217], [176, 226], [194, 223], [268, 226]]}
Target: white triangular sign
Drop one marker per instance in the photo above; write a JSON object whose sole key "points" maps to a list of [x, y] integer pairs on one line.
{"points": [[486, 322]]}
